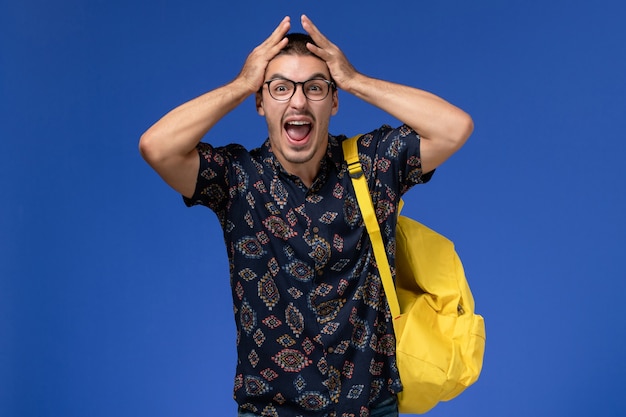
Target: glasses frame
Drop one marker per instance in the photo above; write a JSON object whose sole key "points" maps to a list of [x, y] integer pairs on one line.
{"points": [[330, 84]]}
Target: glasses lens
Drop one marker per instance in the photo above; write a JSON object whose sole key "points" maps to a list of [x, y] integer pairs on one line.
{"points": [[316, 89], [281, 89]]}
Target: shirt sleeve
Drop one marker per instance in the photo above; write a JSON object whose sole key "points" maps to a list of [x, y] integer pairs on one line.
{"points": [[393, 157], [213, 181]]}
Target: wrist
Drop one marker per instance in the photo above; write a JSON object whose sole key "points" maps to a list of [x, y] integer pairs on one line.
{"points": [[245, 85], [357, 84]]}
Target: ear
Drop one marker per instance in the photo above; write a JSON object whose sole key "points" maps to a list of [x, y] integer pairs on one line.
{"points": [[335, 107], [259, 103]]}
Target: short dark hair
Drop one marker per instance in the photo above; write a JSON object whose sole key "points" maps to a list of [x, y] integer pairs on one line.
{"points": [[297, 44]]}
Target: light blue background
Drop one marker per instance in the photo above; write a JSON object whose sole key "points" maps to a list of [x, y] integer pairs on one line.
{"points": [[114, 298]]}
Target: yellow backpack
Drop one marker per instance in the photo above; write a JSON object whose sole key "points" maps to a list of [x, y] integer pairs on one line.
{"points": [[440, 341]]}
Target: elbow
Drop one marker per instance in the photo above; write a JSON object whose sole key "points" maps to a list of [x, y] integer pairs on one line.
{"points": [[148, 147], [464, 128]]}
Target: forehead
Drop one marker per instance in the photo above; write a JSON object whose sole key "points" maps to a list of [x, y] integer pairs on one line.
{"points": [[296, 67]]}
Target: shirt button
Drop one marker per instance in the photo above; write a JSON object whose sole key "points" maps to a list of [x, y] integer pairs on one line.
{"points": [[316, 229], [330, 350]]}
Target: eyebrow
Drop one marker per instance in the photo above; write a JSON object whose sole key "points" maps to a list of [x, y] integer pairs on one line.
{"points": [[282, 77]]}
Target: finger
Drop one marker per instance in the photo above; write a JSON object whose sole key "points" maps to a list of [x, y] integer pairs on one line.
{"points": [[325, 56], [314, 32], [282, 27], [307, 23], [279, 33], [323, 47]]}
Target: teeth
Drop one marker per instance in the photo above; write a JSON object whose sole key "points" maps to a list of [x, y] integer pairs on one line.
{"points": [[298, 123]]}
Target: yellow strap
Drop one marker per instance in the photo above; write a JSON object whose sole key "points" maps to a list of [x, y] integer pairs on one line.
{"points": [[351, 155]]}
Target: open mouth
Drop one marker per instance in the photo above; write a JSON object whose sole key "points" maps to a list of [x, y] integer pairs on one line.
{"points": [[298, 130]]}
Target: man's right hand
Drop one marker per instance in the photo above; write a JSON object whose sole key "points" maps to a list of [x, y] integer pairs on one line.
{"points": [[253, 71]]}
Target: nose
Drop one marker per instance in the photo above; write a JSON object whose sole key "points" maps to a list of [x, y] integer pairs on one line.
{"points": [[298, 99]]}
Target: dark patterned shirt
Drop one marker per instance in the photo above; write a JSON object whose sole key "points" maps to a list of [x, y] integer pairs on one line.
{"points": [[314, 332]]}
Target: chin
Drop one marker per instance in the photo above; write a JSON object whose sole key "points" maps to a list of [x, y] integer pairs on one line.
{"points": [[300, 157]]}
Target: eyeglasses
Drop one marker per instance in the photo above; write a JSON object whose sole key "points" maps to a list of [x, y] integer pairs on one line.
{"points": [[315, 89]]}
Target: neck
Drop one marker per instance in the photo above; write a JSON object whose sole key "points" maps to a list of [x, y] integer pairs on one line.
{"points": [[303, 163], [307, 172]]}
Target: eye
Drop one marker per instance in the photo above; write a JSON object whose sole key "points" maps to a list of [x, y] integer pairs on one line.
{"points": [[315, 86], [280, 87]]}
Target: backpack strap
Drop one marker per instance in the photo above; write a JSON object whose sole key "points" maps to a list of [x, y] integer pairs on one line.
{"points": [[351, 155]]}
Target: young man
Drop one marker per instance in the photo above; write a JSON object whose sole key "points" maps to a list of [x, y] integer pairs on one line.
{"points": [[314, 332]]}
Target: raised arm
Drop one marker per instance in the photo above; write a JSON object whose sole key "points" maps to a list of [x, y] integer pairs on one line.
{"points": [[443, 127], [169, 146]]}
